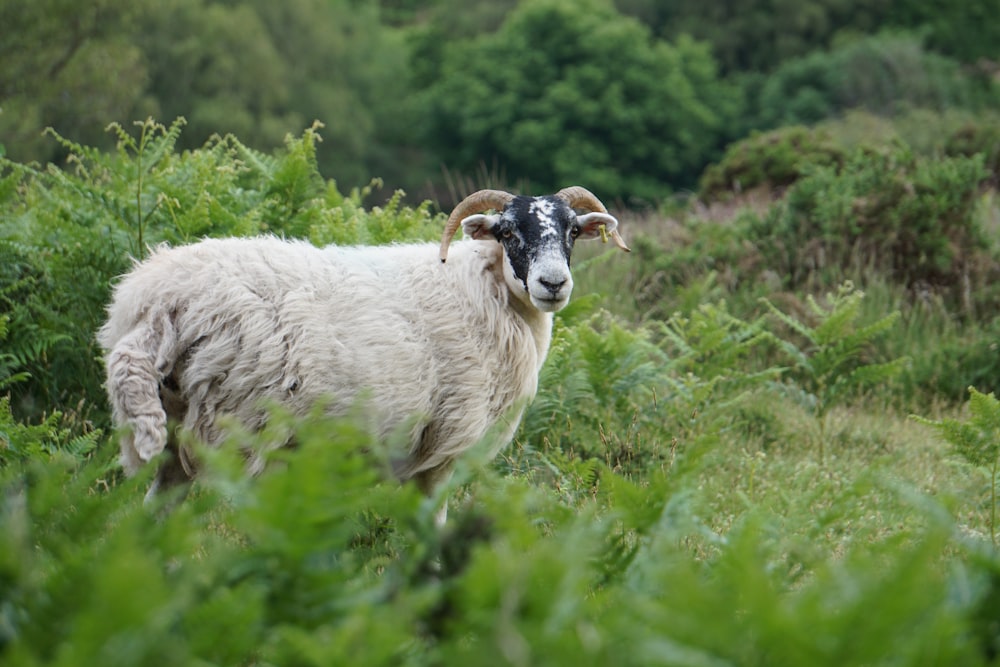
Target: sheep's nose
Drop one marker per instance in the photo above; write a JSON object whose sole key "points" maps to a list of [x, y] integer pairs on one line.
{"points": [[552, 285]]}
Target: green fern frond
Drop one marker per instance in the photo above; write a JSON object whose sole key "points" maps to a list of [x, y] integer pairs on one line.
{"points": [[985, 413], [92, 155], [259, 163], [791, 322], [871, 375], [878, 328], [82, 445]]}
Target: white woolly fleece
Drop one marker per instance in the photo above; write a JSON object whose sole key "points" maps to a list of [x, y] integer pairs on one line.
{"points": [[224, 326]]}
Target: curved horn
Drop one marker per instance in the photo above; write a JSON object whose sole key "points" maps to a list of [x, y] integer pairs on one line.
{"points": [[477, 202], [579, 197]]}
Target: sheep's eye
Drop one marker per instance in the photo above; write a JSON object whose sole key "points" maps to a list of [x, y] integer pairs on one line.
{"points": [[507, 234], [574, 231]]}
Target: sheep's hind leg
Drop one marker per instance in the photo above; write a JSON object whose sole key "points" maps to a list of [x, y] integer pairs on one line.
{"points": [[136, 364], [169, 475], [133, 389]]}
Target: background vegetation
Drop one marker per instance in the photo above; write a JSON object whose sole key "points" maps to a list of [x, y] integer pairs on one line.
{"points": [[721, 466], [433, 96]]}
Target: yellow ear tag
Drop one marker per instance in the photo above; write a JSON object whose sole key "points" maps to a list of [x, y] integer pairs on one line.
{"points": [[604, 234]]}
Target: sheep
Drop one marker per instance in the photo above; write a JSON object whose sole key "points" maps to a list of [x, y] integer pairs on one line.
{"points": [[446, 347]]}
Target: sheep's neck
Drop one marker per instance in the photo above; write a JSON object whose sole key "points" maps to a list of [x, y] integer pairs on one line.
{"points": [[539, 323]]}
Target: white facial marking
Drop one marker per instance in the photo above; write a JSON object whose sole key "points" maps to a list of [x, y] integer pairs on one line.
{"points": [[543, 210]]}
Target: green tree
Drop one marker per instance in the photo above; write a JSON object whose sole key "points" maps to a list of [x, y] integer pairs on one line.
{"points": [[347, 70], [884, 74], [758, 35], [450, 20], [259, 70], [968, 31], [575, 93], [216, 66], [67, 64]]}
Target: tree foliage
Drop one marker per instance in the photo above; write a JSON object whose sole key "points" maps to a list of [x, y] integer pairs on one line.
{"points": [[260, 70], [758, 35], [618, 97], [67, 64], [885, 74], [564, 93]]}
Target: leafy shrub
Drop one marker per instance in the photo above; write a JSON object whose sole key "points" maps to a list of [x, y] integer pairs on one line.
{"points": [[707, 261], [911, 218], [952, 357], [348, 222], [774, 159], [55, 433], [19, 441], [48, 293], [600, 401], [638, 399], [979, 136], [9, 364], [712, 342], [256, 573], [928, 132]]}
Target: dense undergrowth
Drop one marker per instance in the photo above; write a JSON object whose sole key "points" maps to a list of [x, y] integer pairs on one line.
{"points": [[719, 468]]}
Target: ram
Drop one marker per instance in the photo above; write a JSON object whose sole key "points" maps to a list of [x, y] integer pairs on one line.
{"points": [[444, 350]]}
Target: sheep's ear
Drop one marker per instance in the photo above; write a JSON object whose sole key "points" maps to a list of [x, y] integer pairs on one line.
{"points": [[590, 225], [479, 226]]}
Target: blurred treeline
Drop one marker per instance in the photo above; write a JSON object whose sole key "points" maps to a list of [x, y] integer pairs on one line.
{"points": [[633, 97]]}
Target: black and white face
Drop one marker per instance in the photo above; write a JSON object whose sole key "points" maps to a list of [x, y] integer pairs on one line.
{"points": [[538, 234]]}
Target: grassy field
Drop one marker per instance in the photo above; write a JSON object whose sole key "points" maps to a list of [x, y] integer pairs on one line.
{"points": [[722, 467], [878, 457]]}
